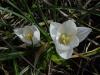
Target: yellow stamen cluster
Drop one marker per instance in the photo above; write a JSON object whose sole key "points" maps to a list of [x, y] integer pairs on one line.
{"points": [[28, 36], [64, 39]]}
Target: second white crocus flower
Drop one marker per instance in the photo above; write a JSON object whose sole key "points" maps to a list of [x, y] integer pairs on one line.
{"points": [[28, 34], [67, 36]]}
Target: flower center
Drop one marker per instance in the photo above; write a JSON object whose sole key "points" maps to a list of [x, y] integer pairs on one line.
{"points": [[64, 39], [29, 36]]}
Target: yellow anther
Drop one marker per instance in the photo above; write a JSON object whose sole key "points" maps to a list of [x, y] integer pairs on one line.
{"points": [[64, 39], [29, 36]]}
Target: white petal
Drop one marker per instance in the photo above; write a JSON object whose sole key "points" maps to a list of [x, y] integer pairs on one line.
{"points": [[36, 36], [22, 32], [27, 29], [35, 31], [83, 32], [69, 27], [19, 33], [74, 42], [34, 28], [64, 51], [54, 26], [27, 41]]}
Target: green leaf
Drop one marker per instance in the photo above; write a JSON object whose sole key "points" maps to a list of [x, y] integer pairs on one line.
{"points": [[87, 54], [12, 55], [57, 59], [10, 11], [15, 67]]}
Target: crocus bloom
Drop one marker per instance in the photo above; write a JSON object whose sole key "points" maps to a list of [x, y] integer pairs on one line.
{"points": [[67, 36], [28, 34]]}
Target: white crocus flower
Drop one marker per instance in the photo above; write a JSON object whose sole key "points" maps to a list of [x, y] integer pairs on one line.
{"points": [[67, 36], [28, 34]]}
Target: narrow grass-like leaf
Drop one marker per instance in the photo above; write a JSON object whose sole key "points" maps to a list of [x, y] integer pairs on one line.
{"points": [[13, 5], [87, 54], [12, 55], [10, 11], [15, 67]]}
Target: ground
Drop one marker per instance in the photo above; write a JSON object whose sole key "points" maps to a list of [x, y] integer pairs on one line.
{"points": [[18, 58]]}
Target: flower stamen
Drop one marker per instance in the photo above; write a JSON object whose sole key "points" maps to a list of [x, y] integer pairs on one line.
{"points": [[29, 36], [64, 39]]}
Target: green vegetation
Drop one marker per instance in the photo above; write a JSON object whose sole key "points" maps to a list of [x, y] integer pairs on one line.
{"points": [[17, 58]]}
